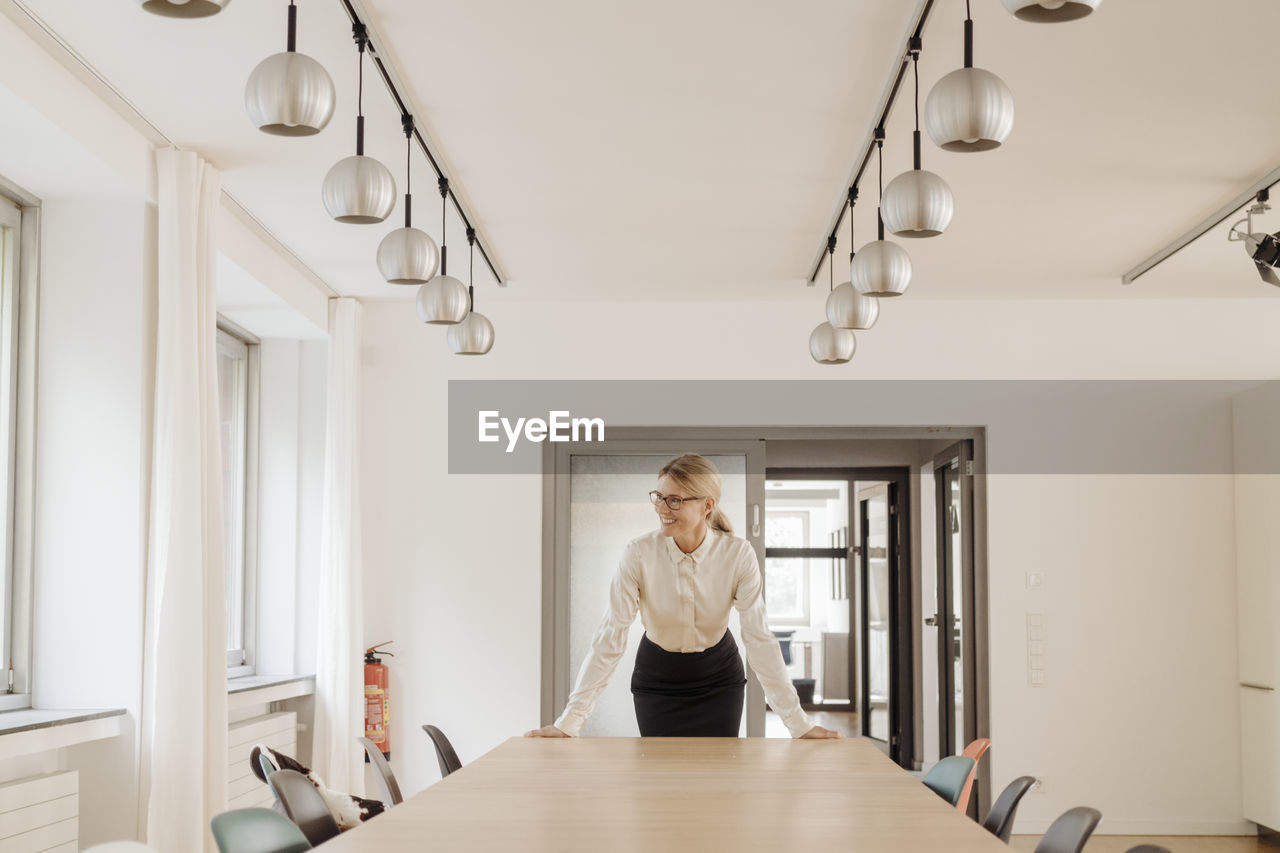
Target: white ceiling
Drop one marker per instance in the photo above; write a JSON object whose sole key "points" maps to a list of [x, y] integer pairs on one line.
{"points": [[677, 150]]}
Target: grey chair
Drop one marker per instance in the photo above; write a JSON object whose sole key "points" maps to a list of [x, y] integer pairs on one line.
{"points": [[444, 751], [304, 805], [1141, 848], [388, 787], [947, 777], [257, 831], [999, 820], [1070, 831]]}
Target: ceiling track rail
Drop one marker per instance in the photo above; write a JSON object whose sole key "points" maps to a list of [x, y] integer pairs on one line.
{"points": [[1215, 219], [405, 109], [870, 146]]}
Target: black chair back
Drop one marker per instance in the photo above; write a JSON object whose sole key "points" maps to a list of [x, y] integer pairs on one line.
{"points": [[999, 820], [444, 751], [388, 787], [1148, 848], [304, 805], [1070, 831]]}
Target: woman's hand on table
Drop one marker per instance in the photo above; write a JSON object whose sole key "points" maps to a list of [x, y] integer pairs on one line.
{"points": [[550, 731], [819, 732]]}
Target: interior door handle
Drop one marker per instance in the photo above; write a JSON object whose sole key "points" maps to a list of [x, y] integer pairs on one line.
{"points": [[755, 522], [931, 621]]}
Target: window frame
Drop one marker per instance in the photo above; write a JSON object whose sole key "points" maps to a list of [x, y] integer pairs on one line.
{"points": [[235, 341], [20, 213]]}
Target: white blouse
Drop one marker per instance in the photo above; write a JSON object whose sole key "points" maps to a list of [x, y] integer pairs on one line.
{"points": [[683, 601]]}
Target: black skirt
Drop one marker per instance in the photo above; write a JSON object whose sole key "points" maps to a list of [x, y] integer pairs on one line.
{"points": [[695, 694]]}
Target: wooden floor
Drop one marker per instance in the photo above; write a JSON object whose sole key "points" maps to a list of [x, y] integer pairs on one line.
{"points": [[1175, 843]]}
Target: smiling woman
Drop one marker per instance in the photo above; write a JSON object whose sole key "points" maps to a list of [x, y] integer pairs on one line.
{"points": [[683, 580]]}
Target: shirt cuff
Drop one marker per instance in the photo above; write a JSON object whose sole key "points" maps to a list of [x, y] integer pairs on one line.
{"points": [[798, 722], [570, 724]]}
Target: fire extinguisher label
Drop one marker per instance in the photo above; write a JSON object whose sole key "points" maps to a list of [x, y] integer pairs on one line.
{"points": [[375, 713]]}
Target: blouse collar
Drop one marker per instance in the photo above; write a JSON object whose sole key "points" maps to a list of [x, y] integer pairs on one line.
{"points": [[697, 554]]}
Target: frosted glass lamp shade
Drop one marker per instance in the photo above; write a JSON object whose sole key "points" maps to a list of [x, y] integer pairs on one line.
{"points": [[881, 269], [443, 301], [917, 204], [408, 256], [359, 190], [829, 345], [1051, 11], [473, 336], [849, 309], [289, 94], [970, 109], [184, 8]]}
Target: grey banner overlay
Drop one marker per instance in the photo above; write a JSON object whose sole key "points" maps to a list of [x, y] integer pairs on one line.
{"points": [[1032, 427]]}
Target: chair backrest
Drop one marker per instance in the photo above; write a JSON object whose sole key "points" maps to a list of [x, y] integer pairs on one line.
{"points": [[266, 765], [388, 787], [947, 777], [304, 805], [999, 820], [444, 751], [974, 750], [120, 847], [257, 831], [1070, 831]]}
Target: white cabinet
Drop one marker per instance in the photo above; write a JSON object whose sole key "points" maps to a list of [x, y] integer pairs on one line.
{"points": [[1256, 422]]}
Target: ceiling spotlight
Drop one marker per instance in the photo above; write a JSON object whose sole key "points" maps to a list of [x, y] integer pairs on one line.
{"points": [[408, 255], [358, 189], [184, 8], [1051, 11], [474, 335], [881, 269], [444, 300], [917, 203], [1263, 248], [846, 307], [970, 109], [289, 94]]}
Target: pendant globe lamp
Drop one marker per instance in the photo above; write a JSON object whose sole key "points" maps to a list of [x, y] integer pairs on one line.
{"points": [[881, 269], [474, 335], [444, 300], [358, 189], [408, 255], [970, 109], [846, 307], [1051, 11], [184, 8], [917, 203], [828, 344], [289, 94]]}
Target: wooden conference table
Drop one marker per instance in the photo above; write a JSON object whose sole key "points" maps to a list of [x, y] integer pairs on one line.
{"points": [[668, 795]]}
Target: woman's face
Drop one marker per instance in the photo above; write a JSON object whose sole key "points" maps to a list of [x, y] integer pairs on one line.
{"points": [[688, 522]]}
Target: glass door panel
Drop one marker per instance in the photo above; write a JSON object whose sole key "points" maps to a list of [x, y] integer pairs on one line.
{"points": [[877, 612]]}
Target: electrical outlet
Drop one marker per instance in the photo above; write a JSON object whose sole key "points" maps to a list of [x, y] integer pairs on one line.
{"points": [[1035, 580], [1037, 787]]}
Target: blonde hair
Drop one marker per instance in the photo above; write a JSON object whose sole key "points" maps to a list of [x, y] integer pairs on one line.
{"points": [[695, 475]]}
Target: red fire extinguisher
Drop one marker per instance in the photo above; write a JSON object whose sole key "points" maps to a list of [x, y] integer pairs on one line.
{"points": [[377, 702]]}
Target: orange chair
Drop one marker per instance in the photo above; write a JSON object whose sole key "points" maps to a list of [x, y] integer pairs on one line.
{"points": [[975, 751]]}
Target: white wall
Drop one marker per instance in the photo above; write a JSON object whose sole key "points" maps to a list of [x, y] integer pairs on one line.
{"points": [[1139, 717]]}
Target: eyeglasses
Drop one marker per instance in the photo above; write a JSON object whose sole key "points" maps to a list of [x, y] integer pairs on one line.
{"points": [[672, 501]]}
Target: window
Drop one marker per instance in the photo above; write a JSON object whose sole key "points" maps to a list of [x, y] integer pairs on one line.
{"points": [[238, 430], [18, 229], [787, 578]]}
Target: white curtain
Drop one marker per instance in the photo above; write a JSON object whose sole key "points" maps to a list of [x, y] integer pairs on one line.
{"points": [[184, 703], [339, 668]]}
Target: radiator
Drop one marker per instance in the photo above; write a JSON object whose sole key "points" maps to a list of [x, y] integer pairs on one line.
{"points": [[278, 731], [40, 814]]}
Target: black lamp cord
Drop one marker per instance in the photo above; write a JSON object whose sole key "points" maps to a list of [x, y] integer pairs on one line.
{"points": [[831, 263], [361, 35], [444, 234], [880, 162], [853, 199], [406, 122], [915, 70], [292, 43], [471, 273], [968, 36]]}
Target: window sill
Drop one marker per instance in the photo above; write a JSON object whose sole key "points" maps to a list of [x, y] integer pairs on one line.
{"points": [[261, 689], [39, 730]]}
